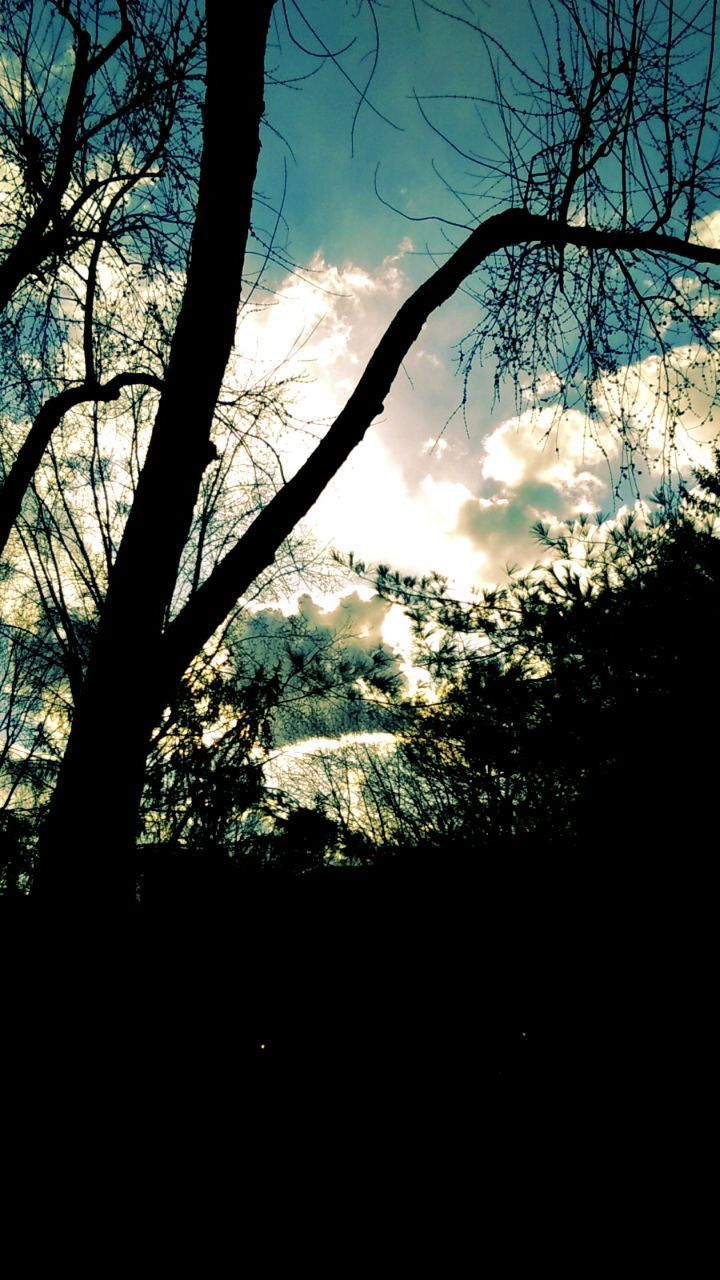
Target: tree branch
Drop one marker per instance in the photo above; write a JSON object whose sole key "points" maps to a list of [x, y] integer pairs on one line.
{"points": [[256, 549], [40, 433], [28, 250]]}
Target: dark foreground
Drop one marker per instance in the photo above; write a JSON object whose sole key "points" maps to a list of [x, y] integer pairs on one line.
{"points": [[503, 1016]]}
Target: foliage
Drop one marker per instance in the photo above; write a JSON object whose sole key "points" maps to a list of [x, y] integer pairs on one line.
{"points": [[272, 682], [571, 707]]}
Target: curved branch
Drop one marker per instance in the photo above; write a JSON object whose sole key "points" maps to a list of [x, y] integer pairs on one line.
{"points": [[256, 549], [38, 438]]}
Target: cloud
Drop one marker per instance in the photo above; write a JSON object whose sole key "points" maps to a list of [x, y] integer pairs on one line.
{"points": [[539, 465], [669, 406], [448, 513], [548, 447], [435, 445], [353, 621], [707, 230], [550, 464], [418, 493], [453, 516], [371, 510], [358, 621], [320, 328], [501, 526]]}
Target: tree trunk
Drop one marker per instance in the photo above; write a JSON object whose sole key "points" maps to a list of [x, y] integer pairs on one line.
{"points": [[86, 851]]}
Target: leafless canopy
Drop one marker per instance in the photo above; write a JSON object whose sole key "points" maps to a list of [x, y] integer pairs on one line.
{"points": [[613, 128]]}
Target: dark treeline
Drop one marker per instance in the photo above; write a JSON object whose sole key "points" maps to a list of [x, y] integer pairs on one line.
{"points": [[567, 725], [564, 762], [538, 838]]}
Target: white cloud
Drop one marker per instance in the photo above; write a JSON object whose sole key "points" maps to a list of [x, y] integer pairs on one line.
{"points": [[434, 445], [430, 357], [548, 447], [671, 406], [544, 465], [470, 510], [319, 330], [707, 230], [323, 329], [369, 509], [312, 318]]}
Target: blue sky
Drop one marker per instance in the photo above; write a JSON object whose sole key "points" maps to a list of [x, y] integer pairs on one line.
{"points": [[337, 224], [429, 488]]}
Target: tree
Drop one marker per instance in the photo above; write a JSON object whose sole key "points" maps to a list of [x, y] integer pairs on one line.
{"points": [[589, 220], [78, 152], [266, 684], [570, 707]]}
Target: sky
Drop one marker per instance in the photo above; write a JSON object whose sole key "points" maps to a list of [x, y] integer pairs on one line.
{"points": [[431, 486], [360, 199], [401, 497]]}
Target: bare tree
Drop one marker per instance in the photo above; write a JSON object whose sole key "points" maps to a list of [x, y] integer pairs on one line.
{"points": [[98, 136], [592, 217]]}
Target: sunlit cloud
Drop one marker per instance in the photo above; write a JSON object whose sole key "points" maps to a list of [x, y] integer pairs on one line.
{"points": [[707, 230], [668, 407], [370, 510], [544, 446], [420, 497], [319, 326], [321, 329]]}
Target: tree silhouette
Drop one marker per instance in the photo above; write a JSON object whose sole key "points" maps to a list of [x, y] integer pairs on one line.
{"points": [[77, 154], [589, 218], [570, 720]]}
